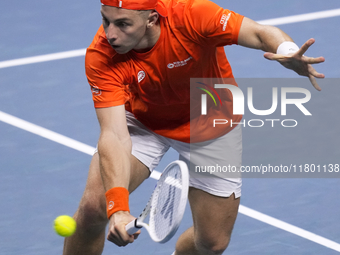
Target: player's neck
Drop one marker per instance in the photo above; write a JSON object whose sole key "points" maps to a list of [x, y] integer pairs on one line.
{"points": [[151, 37]]}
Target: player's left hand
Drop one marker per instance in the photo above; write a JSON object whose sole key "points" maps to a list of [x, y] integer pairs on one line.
{"points": [[116, 231], [299, 63]]}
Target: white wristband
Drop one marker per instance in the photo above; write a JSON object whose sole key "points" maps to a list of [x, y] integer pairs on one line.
{"points": [[286, 48]]}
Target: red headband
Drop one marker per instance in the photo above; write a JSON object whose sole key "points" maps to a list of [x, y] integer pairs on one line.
{"points": [[138, 5]]}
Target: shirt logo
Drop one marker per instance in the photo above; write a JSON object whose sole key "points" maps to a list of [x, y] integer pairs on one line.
{"points": [[224, 20], [141, 76], [178, 63], [95, 90]]}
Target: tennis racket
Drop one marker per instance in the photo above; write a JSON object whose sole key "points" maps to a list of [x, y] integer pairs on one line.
{"points": [[166, 205]]}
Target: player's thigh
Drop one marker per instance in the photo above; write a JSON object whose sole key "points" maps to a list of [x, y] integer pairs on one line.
{"points": [[213, 217], [93, 200], [139, 172], [148, 148]]}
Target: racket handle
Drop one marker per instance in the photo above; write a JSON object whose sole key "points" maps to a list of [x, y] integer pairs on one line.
{"points": [[132, 227]]}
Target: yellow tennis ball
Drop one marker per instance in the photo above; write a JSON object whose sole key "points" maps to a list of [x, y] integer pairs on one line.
{"points": [[65, 225]]}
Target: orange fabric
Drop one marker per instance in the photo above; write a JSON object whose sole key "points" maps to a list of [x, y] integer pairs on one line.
{"points": [[137, 5], [117, 199], [155, 86]]}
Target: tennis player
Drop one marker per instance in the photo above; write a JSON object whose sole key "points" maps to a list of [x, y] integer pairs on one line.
{"points": [[139, 67]]}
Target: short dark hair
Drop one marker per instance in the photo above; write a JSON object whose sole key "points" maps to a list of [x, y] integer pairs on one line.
{"points": [[144, 13]]}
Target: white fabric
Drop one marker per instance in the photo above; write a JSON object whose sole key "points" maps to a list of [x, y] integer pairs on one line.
{"points": [[149, 148]]}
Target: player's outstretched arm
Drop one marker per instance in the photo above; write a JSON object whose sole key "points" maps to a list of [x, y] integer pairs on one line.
{"points": [[114, 148], [269, 38]]}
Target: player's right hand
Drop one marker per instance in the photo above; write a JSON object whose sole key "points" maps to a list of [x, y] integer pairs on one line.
{"points": [[300, 63], [117, 233]]}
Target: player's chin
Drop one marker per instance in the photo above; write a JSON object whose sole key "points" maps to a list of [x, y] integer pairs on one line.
{"points": [[122, 50]]}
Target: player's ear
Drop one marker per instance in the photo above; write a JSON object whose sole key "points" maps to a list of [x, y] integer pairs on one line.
{"points": [[152, 19]]}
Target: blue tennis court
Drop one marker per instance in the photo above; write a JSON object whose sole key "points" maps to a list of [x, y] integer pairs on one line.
{"points": [[48, 130]]}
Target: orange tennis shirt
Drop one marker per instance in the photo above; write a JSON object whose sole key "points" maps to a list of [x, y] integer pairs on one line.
{"points": [[155, 85]]}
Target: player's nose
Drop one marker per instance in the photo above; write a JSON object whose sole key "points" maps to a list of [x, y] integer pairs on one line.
{"points": [[111, 33]]}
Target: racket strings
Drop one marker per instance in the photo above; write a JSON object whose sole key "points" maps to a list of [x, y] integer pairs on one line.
{"points": [[163, 215]]}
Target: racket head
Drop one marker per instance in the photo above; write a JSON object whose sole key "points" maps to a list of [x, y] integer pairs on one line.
{"points": [[168, 202]]}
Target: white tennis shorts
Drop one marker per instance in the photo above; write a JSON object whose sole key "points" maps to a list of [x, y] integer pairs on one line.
{"points": [[208, 161]]}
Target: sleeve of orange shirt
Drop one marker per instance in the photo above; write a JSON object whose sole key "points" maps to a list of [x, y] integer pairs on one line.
{"points": [[214, 25], [107, 85]]}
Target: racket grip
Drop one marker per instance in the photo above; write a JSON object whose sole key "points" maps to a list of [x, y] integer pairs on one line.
{"points": [[132, 227]]}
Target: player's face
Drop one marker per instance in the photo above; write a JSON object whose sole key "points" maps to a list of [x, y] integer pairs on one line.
{"points": [[125, 29]]}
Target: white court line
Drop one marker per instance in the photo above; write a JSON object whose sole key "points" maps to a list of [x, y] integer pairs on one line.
{"points": [[301, 17], [81, 52], [43, 58], [48, 134], [53, 136], [289, 228]]}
